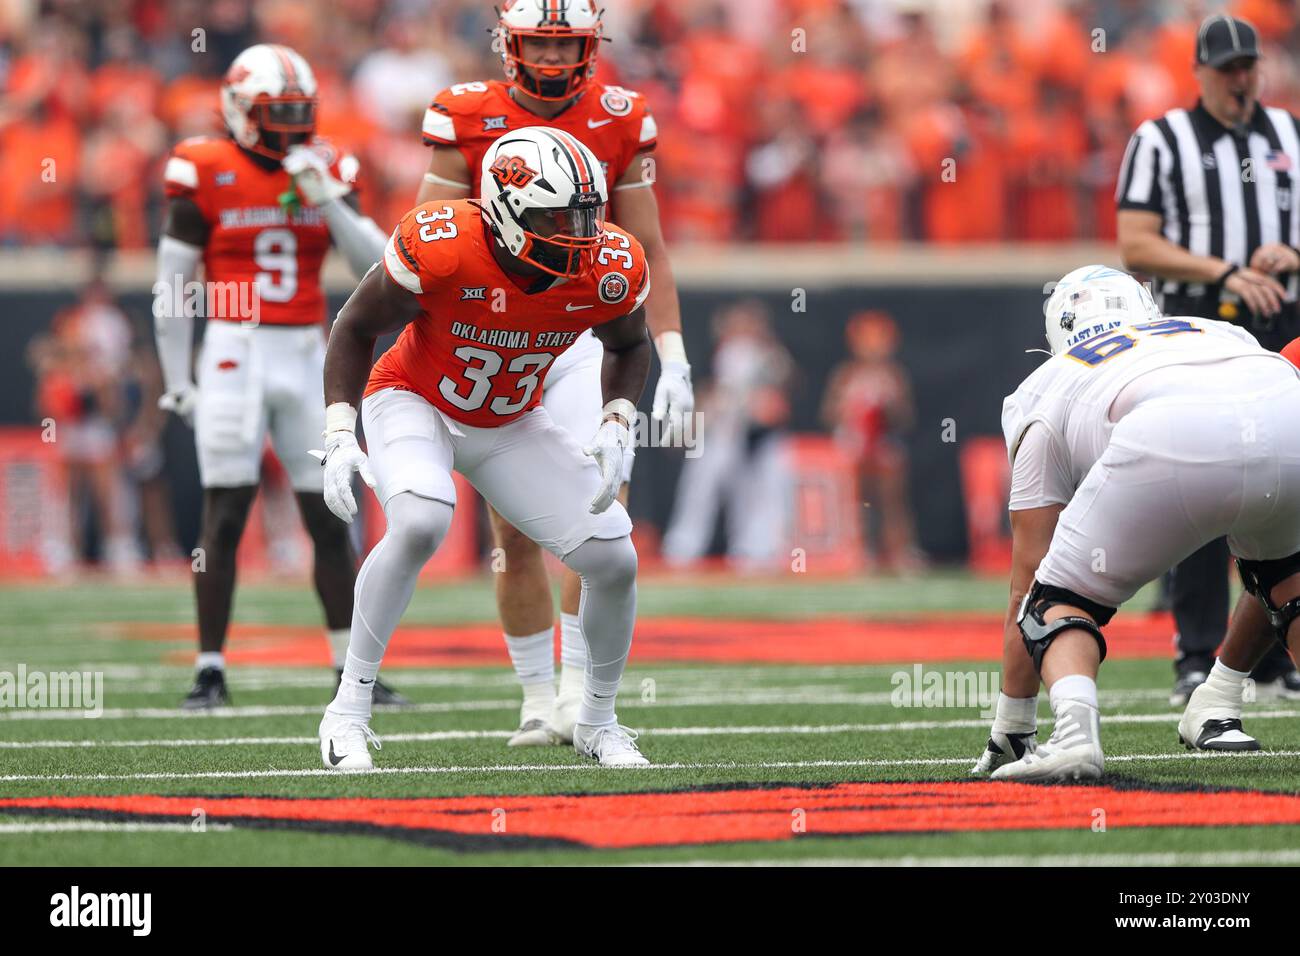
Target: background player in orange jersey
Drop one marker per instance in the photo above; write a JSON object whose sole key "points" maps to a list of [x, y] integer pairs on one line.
{"points": [[231, 205], [549, 50], [461, 389]]}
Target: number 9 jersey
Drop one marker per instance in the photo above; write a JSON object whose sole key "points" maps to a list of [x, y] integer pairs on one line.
{"points": [[273, 249], [480, 349]]}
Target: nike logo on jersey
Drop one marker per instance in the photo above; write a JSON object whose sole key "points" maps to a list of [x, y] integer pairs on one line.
{"points": [[570, 307], [596, 124]]}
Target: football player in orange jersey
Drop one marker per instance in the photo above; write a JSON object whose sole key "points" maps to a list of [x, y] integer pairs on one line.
{"points": [[231, 205], [488, 295], [549, 50]]}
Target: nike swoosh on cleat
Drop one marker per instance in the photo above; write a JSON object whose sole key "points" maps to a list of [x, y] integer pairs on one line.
{"points": [[334, 760], [570, 307], [596, 124], [362, 680]]}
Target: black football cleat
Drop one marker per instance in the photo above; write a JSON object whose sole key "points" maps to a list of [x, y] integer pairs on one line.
{"points": [[209, 691], [382, 696]]}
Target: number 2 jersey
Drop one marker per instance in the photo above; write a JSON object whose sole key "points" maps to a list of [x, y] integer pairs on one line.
{"points": [[253, 239], [612, 122], [1070, 396], [481, 346]]}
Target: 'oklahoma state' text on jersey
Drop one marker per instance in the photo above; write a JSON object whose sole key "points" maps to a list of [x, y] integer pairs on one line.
{"points": [[610, 121], [252, 238], [480, 348]]}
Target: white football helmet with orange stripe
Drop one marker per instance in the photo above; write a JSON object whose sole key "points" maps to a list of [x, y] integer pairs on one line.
{"points": [[543, 197], [268, 100], [548, 19]]}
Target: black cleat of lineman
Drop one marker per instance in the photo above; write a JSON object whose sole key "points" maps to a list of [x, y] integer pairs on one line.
{"points": [[1212, 730], [383, 695], [1017, 742], [208, 692]]}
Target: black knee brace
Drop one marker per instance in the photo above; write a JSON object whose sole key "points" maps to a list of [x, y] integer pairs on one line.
{"points": [[1038, 634], [1260, 577]]}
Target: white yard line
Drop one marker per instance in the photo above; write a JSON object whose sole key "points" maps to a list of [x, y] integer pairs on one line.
{"points": [[804, 695], [741, 730], [564, 768], [100, 826]]}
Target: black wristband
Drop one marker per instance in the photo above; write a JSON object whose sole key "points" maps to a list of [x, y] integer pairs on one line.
{"points": [[1224, 278]]}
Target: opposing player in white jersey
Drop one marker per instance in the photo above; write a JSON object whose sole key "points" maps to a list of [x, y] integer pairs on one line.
{"points": [[1142, 438]]}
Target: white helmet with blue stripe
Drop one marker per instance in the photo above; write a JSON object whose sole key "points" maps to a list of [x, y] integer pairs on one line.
{"points": [[1093, 300]]}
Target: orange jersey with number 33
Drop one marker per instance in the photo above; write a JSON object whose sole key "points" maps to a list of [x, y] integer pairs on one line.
{"points": [[480, 347]]}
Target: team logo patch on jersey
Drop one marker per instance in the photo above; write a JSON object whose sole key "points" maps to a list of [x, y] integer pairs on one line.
{"points": [[477, 293], [226, 179], [615, 103], [494, 122], [613, 287], [513, 171]]}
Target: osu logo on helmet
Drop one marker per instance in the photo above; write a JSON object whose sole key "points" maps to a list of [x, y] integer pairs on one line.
{"points": [[513, 171]]}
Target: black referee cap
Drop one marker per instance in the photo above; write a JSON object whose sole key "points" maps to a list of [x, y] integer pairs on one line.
{"points": [[1222, 39]]}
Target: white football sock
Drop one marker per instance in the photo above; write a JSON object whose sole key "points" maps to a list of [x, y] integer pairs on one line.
{"points": [[1016, 715], [608, 614], [356, 689], [534, 660], [1226, 682], [208, 659], [573, 655], [338, 640], [1076, 688]]}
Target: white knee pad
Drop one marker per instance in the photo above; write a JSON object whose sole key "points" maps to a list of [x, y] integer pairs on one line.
{"points": [[417, 525], [605, 561]]}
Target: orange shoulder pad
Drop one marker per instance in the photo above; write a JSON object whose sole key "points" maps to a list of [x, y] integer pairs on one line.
{"points": [[426, 245]]}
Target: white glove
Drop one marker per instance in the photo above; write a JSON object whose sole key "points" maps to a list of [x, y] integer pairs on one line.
{"points": [[181, 402], [312, 177], [341, 457], [674, 399], [607, 448]]}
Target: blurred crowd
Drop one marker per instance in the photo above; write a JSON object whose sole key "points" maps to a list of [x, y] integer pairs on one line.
{"points": [[790, 120]]}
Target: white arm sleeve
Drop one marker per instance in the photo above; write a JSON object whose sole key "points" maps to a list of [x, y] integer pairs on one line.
{"points": [[1040, 474], [173, 326], [356, 236]]}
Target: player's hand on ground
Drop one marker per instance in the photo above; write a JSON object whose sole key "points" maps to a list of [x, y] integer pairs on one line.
{"points": [[1259, 292], [312, 177], [674, 400], [1275, 259], [607, 448], [181, 402], [343, 456]]}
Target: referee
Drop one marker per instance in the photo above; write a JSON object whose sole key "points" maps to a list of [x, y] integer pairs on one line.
{"points": [[1207, 206]]}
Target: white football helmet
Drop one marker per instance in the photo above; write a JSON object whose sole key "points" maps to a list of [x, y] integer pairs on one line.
{"points": [[268, 100], [1092, 300], [543, 197], [548, 19]]}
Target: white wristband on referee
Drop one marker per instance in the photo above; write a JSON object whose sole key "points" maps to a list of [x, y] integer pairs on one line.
{"points": [[340, 417], [621, 407], [670, 347]]}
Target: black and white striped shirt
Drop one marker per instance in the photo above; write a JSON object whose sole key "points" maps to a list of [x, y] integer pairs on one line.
{"points": [[1219, 194]]}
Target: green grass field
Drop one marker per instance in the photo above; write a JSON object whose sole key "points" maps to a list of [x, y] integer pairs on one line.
{"points": [[753, 760]]}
